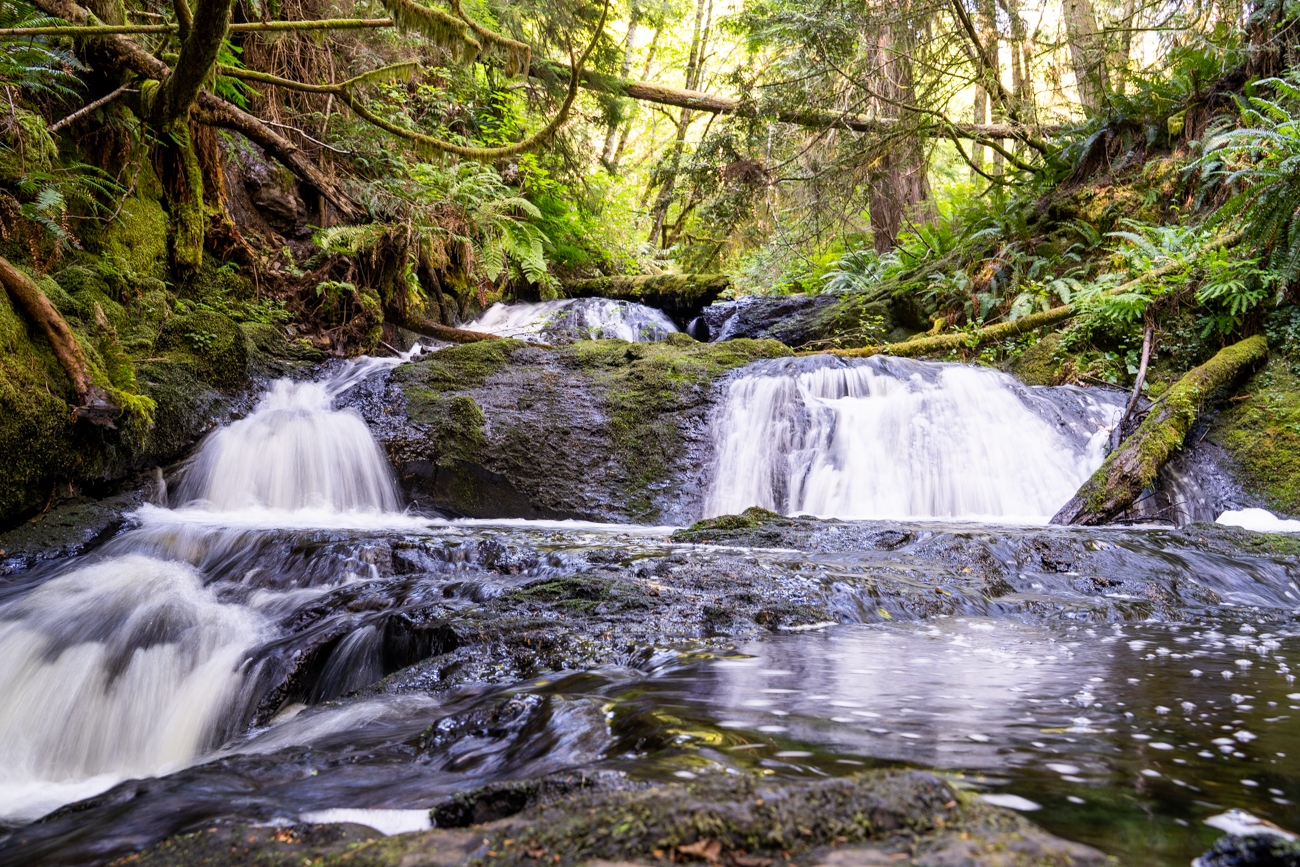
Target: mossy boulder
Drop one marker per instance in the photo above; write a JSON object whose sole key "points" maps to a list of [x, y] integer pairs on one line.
{"points": [[1042, 363], [1261, 432], [600, 429], [211, 343], [36, 426]]}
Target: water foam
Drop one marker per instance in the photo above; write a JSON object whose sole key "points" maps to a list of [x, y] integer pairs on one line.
{"points": [[886, 438]]}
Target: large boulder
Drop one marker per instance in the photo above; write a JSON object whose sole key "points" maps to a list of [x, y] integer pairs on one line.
{"points": [[797, 320], [601, 429]]}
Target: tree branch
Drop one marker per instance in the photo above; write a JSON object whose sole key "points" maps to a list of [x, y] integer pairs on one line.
{"points": [[250, 27]]}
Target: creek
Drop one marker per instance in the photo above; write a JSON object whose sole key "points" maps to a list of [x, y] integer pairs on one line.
{"points": [[277, 641]]}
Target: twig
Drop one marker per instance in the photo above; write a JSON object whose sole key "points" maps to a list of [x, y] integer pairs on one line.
{"points": [[82, 112], [309, 138], [1116, 432]]}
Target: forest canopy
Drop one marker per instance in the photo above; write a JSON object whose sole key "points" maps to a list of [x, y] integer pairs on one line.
{"points": [[410, 162]]}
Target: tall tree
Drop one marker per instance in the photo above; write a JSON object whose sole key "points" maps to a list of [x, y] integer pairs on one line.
{"points": [[1087, 54]]}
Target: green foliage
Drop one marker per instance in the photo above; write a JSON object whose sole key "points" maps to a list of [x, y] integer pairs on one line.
{"points": [[1260, 161]]}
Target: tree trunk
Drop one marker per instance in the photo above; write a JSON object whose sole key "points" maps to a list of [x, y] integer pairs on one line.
{"points": [[898, 184], [1134, 466], [611, 134], [942, 344], [1087, 54], [93, 403], [694, 64]]}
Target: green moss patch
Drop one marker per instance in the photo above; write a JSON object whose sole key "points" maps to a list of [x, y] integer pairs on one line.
{"points": [[459, 367], [645, 383], [1261, 430], [211, 343]]}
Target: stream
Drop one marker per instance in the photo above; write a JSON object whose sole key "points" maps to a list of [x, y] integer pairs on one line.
{"points": [[277, 641]]}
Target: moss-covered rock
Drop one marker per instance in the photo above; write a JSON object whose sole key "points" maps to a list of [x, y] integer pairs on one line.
{"points": [[36, 425], [1042, 363], [1261, 431], [600, 429], [880, 817], [211, 343]]}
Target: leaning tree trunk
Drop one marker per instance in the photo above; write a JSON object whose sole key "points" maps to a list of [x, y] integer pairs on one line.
{"points": [[93, 403], [680, 296], [1133, 467]]}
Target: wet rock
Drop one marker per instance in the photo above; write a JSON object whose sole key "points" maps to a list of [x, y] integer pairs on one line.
{"points": [[724, 820], [601, 429], [797, 320], [65, 531], [1251, 851]]}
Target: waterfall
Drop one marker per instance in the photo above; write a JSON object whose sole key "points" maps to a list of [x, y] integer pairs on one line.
{"points": [[133, 663], [889, 438], [576, 319], [293, 452]]}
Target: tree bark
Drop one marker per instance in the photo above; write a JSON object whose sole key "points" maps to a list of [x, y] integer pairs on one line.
{"points": [[437, 331], [93, 403], [1134, 466], [898, 186], [198, 55], [1087, 54]]}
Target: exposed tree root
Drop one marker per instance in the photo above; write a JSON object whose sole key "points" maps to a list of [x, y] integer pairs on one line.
{"points": [[93, 402]]}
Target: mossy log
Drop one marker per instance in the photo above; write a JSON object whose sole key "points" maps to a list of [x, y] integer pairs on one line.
{"points": [[681, 296], [1133, 467], [93, 402], [437, 331], [942, 344]]}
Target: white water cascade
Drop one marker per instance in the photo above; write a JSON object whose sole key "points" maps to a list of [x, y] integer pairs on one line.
{"points": [[887, 438], [130, 664], [576, 319]]}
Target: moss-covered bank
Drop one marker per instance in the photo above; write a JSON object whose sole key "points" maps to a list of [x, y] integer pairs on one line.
{"points": [[600, 429], [1260, 429]]}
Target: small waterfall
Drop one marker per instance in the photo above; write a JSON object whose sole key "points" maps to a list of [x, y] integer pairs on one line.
{"points": [[118, 669], [133, 664], [888, 438], [576, 319], [293, 452]]}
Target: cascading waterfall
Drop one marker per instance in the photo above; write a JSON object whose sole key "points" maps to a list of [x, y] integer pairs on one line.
{"points": [[576, 319], [131, 664], [889, 438]]}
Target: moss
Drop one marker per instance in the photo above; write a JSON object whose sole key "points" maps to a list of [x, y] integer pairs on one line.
{"points": [[455, 422], [138, 237], [1042, 363], [644, 383], [1262, 434], [211, 343], [459, 367], [35, 420]]}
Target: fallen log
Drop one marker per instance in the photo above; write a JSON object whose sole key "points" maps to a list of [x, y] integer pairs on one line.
{"points": [[1133, 467], [93, 403], [437, 331], [681, 296], [941, 344]]}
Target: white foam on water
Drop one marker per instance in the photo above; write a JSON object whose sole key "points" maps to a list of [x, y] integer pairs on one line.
{"points": [[897, 439], [386, 822], [1011, 802], [1258, 520]]}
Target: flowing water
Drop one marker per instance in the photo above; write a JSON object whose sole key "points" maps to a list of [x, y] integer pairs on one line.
{"points": [[218, 660], [568, 320], [893, 438]]}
